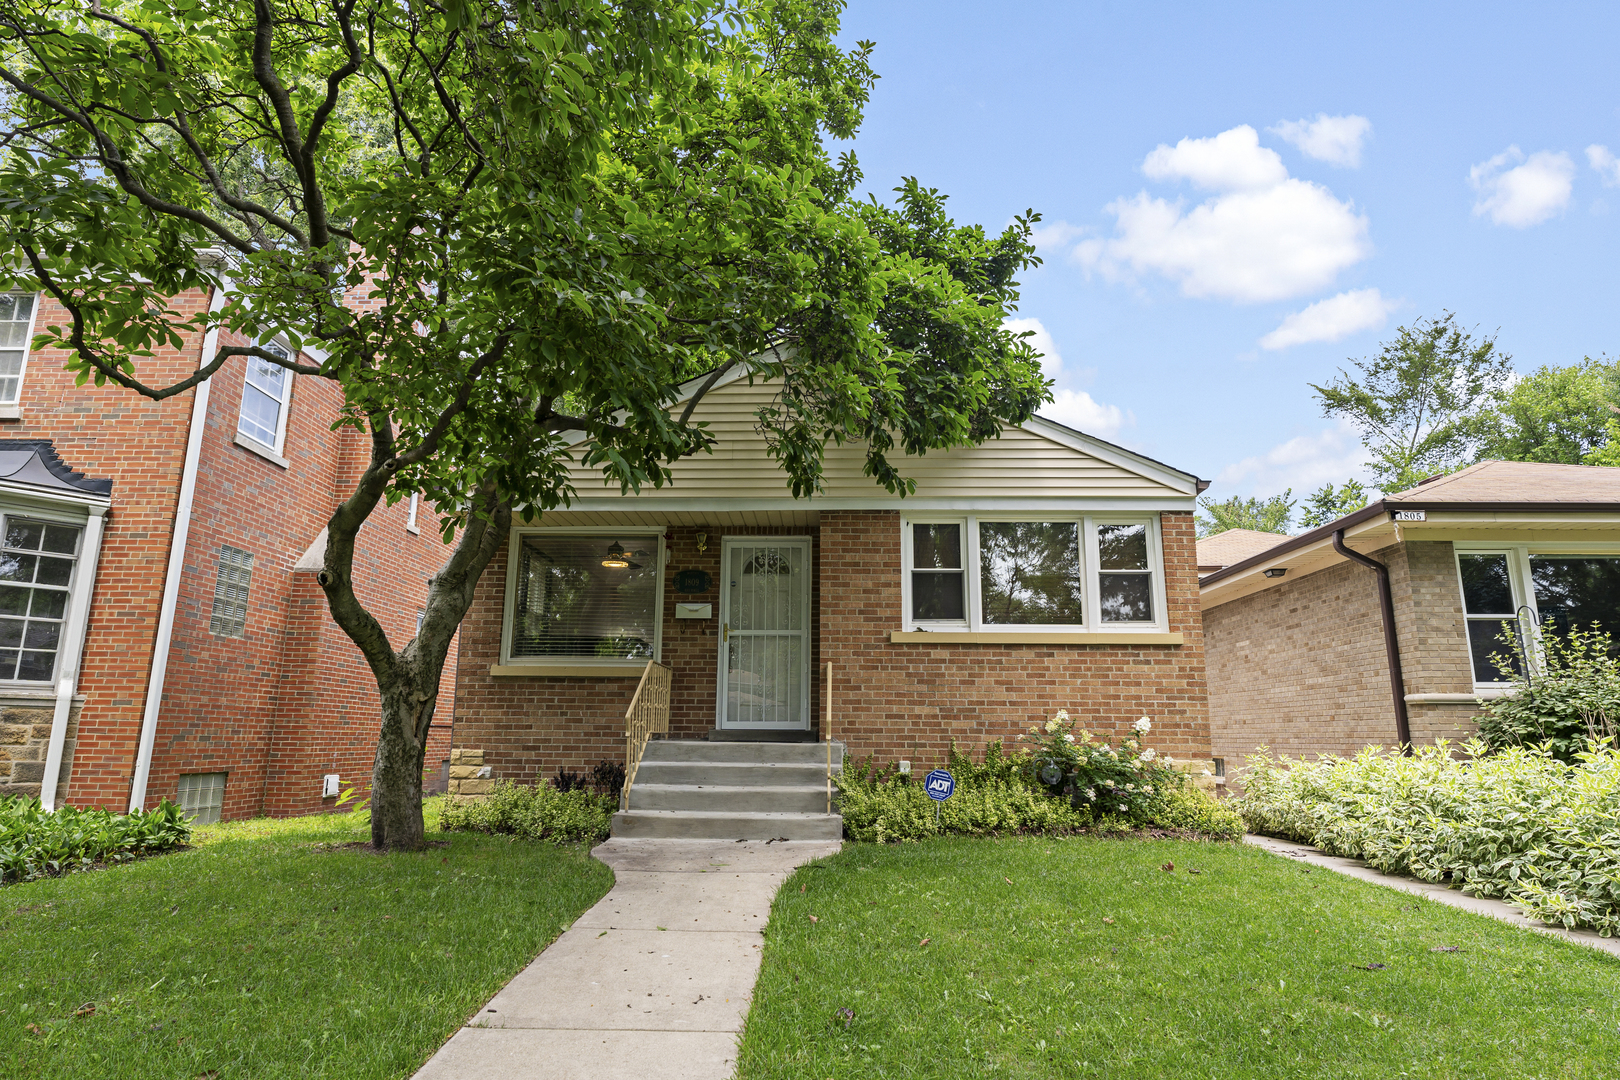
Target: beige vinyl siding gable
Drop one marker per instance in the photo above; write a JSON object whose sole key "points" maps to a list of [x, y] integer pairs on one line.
{"points": [[1019, 464]]}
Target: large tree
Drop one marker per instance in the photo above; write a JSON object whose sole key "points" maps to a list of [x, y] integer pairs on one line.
{"points": [[1556, 414], [1424, 404], [495, 222], [1269, 515]]}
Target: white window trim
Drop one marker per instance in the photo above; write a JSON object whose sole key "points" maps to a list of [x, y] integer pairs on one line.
{"points": [[70, 643], [274, 453], [1090, 559], [541, 665], [1519, 578], [410, 517], [12, 410]]}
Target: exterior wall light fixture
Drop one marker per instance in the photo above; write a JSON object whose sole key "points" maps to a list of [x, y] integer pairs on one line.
{"points": [[1276, 571]]}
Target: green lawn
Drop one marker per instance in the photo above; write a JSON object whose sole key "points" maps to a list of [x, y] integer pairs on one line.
{"points": [[1094, 962], [258, 955]]}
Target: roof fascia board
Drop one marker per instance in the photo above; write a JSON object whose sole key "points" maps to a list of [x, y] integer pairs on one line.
{"points": [[46, 499], [1316, 536], [1117, 456], [1090, 504]]}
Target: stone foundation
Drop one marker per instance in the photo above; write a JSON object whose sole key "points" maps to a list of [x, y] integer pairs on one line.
{"points": [[25, 739], [469, 776]]}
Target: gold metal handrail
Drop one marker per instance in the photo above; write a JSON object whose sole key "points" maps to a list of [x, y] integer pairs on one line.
{"points": [[647, 716]]}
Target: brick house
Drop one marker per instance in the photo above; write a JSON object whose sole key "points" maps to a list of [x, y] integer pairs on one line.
{"points": [[1041, 570], [1301, 657], [161, 631]]}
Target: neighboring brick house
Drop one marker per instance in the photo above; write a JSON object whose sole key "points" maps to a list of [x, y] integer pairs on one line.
{"points": [[1044, 569], [206, 670], [1298, 656]]}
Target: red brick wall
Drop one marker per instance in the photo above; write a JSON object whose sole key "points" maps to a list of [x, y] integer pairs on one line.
{"points": [[890, 700], [909, 700], [293, 699], [530, 726]]}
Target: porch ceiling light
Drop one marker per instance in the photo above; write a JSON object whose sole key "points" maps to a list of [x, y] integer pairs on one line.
{"points": [[615, 559], [1275, 571]]}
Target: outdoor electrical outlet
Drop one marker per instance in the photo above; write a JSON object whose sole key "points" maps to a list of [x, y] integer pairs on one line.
{"points": [[905, 767]]}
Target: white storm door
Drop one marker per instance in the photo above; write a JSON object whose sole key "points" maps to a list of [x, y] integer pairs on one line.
{"points": [[765, 634]]}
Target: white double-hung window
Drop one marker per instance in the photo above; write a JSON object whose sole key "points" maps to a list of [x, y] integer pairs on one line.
{"points": [[16, 327], [36, 576], [1055, 572], [266, 393]]}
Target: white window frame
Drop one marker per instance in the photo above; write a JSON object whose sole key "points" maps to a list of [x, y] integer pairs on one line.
{"points": [[1089, 564], [285, 402], [410, 515], [11, 409], [74, 612], [509, 609], [1519, 577]]}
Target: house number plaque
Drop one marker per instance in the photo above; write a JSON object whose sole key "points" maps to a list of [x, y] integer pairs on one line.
{"points": [[693, 581]]}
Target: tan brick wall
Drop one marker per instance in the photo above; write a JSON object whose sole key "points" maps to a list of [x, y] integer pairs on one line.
{"points": [[1300, 667]]}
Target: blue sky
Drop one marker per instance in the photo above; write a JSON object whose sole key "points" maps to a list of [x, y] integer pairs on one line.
{"points": [[1345, 170]]}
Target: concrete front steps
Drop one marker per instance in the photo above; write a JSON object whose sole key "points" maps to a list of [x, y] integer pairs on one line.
{"points": [[697, 789]]}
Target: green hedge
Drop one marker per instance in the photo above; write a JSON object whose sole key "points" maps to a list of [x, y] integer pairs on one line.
{"points": [[535, 813], [1520, 824], [35, 842]]}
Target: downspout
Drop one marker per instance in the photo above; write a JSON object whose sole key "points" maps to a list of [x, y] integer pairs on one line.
{"points": [[78, 616], [177, 561], [1392, 647]]}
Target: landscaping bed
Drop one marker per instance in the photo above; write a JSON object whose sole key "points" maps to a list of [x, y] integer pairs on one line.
{"points": [[1519, 824], [1077, 957], [271, 949]]}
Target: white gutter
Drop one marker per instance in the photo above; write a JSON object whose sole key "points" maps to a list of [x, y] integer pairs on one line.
{"points": [[78, 617], [177, 560]]}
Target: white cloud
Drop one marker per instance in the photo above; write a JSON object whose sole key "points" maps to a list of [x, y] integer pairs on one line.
{"points": [[1264, 236], [1528, 193], [1073, 408], [1054, 235], [1303, 463], [1231, 161], [1331, 319], [1606, 164], [1334, 139]]}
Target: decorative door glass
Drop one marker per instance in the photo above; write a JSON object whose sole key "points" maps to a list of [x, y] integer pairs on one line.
{"points": [[767, 635]]}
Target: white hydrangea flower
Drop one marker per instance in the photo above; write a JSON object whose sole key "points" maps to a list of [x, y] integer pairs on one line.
{"points": [[1068, 738], [1091, 794], [1143, 725], [1130, 787], [1052, 725], [1149, 754], [1168, 760], [1063, 714], [1123, 808]]}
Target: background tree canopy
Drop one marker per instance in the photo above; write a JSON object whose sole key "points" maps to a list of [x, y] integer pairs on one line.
{"points": [[494, 222]]}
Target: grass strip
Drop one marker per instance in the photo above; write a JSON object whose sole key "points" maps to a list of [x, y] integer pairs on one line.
{"points": [[1077, 957], [271, 949]]}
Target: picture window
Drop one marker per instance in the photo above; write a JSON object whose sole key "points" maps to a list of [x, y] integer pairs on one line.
{"points": [[583, 596]]}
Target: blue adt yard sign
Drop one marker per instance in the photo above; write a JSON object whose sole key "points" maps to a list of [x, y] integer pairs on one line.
{"points": [[939, 785]]}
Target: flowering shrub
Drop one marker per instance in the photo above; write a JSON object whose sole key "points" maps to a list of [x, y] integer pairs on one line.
{"points": [[1520, 824], [1130, 780], [1058, 782]]}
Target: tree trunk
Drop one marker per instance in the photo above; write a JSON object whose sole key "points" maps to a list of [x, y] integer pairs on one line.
{"points": [[396, 774]]}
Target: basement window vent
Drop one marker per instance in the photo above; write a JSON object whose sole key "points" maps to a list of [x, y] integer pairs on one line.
{"points": [[201, 796], [231, 592]]}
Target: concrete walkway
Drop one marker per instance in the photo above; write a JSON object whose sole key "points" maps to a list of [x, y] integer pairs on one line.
{"points": [[1479, 905], [652, 983]]}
